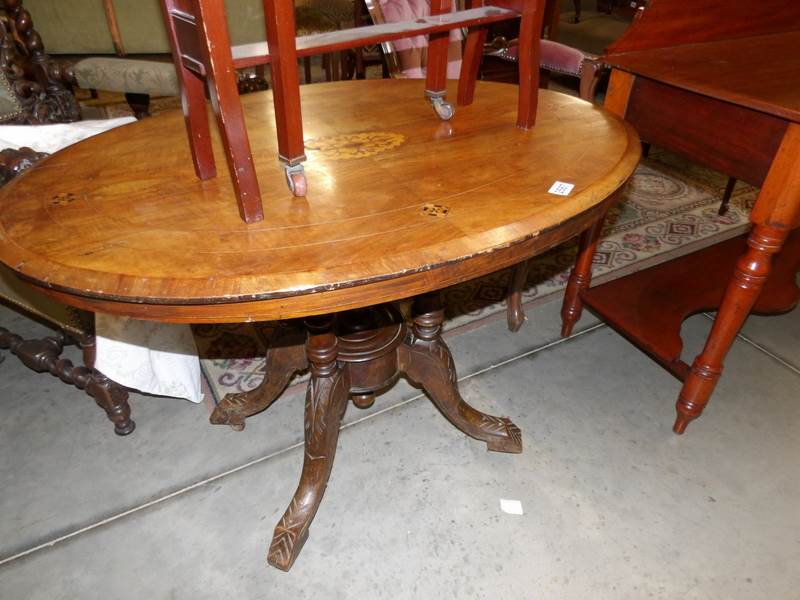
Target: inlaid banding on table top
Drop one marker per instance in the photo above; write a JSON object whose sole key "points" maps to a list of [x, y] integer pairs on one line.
{"points": [[139, 226]]}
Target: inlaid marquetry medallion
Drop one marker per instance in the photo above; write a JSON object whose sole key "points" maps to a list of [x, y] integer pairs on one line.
{"points": [[355, 145]]}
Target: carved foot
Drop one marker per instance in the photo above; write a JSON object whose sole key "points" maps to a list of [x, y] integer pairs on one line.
{"points": [[285, 358], [112, 398], [326, 400], [426, 361]]}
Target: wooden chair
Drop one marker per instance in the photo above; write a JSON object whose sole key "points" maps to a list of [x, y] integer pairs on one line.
{"points": [[202, 52]]}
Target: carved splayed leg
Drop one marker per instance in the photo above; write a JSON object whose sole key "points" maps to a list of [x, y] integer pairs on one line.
{"points": [[426, 360], [286, 356], [326, 400]]}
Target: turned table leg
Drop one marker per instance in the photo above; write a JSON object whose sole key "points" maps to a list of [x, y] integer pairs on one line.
{"points": [[426, 361], [775, 214], [326, 400], [748, 280], [286, 356], [580, 277]]}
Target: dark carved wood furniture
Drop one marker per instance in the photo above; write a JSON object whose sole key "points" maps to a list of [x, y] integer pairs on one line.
{"points": [[720, 83], [74, 326], [38, 81], [35, 82], [157, 243], [202, 52]]}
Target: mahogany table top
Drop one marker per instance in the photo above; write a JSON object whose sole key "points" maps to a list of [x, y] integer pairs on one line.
{"points": [[761, 72], [399, 203]]}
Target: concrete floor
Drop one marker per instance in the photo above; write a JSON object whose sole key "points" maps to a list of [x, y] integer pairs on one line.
{"points": [[615, 505]]}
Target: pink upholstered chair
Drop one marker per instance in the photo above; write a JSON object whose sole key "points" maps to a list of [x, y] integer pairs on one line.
{"points": [[412, 52]]}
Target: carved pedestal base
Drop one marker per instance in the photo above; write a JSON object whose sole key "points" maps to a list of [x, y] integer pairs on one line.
{"points": [[356, 354]]}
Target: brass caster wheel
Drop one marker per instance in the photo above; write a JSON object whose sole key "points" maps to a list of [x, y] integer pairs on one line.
{"points": [[296, 179], [444, 110]]}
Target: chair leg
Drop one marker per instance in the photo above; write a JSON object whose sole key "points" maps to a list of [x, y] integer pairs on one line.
{"points": [[436, 77], [44, 356], [577, 17], [279, 19], [139, 103], [193, 99], [529, 50], [470, 63], [221, 78], [726, 196], [336, 60], [109, 395], [326, 67]]}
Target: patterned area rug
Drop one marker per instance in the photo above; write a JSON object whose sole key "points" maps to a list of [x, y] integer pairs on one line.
{"points": [[669, 209]]}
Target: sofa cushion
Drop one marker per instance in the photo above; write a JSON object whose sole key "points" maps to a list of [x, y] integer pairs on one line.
{"points": [[80, 26], [127, 75]]}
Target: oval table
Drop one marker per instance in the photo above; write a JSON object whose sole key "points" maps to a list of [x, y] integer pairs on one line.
{"points": [[399, 205]]}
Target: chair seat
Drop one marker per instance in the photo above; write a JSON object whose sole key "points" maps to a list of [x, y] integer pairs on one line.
{"points": [[127, 76], [554, 57]]}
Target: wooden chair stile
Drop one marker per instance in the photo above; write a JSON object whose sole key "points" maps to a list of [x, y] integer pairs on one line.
{"points": [[436, 75], [471, 60], [281, 41], [198, 33]]}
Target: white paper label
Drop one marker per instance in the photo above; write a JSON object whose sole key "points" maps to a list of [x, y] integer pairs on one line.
{"points": [[512, 507], [560, 188]]}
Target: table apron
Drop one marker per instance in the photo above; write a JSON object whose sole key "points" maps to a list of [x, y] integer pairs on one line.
{"points": [[738, 141]]}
